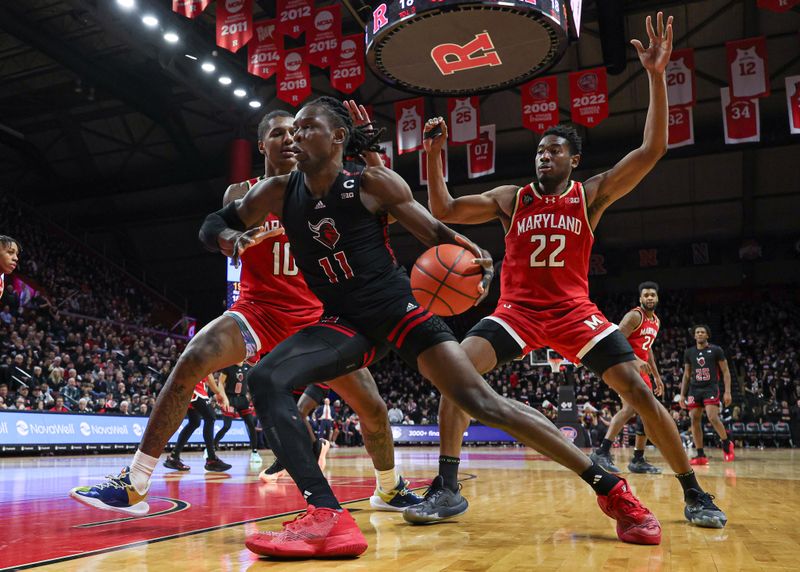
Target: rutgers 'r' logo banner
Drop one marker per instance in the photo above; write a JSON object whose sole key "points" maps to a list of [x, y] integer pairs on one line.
{"points": [[476, 53]]}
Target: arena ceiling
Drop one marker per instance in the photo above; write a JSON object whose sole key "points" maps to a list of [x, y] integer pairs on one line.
{"points": [[122, 137]]}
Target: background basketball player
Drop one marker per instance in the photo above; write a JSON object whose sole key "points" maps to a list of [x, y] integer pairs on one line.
{"points": [[9, 257], [640, 326], [702, 365]]}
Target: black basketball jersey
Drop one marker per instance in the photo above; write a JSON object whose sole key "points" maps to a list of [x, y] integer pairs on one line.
{"points": [[236, 380], [704, 364], [341, 248]]}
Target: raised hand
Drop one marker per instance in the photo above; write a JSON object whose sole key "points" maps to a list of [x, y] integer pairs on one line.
{"points": [[655, 57], [358, 113], [436, 142]]}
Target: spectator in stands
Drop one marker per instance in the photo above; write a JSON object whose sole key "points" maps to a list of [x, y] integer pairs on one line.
{"points": [[143, 410], [59, 407], [395, 415], [20, 405], [71, 392], [794, 424], [3, 391], [83, 406], [24, 393], [5, 315], [124, 408]]}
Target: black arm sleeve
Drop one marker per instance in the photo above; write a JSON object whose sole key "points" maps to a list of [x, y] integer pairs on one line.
{"points": [[216, 222]]}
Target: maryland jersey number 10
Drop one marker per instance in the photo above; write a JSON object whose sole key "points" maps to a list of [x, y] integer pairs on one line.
{"points": [[282, 260]]}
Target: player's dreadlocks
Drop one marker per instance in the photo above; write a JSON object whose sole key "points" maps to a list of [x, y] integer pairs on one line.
{"points": [[7, 242], [360, 139]]}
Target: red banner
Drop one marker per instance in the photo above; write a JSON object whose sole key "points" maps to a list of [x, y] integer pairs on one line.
{"points": [[348, 73], [234, 23], [423, 165], [680, 78], [463, 119], [793, 101], [190, 8], [742, 122], [588, 94], [481, 153], [295, 16], [540, 104], [747, 68], [681, 127], [388, 154], [777, 5], [408, 115], [294, 77], [324, 35], [264, 51]]}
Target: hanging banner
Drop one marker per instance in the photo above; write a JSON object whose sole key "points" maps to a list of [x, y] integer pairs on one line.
{"points": [[348, 72], [324, 35], [540, 104], [264, 50], [423, 165], [747, 68], [234, 23], [294, 77], [295, 16], [190, 8], [680, 78], [480, 154], [681, 127], [463, 119], [742, 123], [408, 116], [388, 154], [793, 101], [777, 5], [588, 94]]}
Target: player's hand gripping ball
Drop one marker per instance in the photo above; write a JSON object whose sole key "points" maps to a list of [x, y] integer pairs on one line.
{"points": [[445, 279]]}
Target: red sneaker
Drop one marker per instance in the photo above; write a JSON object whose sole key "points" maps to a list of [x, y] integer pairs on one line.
{"points": [[728, 455], [316, 533], [635, 524], [698, 461]]}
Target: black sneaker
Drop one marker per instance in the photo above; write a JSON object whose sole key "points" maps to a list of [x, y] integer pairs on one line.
{"points": [[272, 473], [217, 465], [440, 503], [701, 511], [175, 463], [604, 461], [642, 466]]}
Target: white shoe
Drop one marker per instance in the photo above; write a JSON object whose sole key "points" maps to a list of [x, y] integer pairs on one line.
{"points": [[255, 458]]}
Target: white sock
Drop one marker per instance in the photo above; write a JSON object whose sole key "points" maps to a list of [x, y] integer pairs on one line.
{"points": [[387, 480], [142, 468]]}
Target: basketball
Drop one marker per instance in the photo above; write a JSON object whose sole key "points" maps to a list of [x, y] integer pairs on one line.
{"points": [[445, 280]]}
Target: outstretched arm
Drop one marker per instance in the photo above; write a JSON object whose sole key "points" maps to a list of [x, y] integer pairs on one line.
{"points": [[470, 209], [390, 193], [359, 115], [604, 189], [227, 231]]}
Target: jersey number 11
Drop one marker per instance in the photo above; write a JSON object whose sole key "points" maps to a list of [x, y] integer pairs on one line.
{"points": [[327, 266]]}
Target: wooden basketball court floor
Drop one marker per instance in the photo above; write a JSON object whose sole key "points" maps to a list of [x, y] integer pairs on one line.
{"points": [[526, 513]]}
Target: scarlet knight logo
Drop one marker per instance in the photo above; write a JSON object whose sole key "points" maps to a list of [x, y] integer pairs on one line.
{"points": [[325, 232], [701, 361]]}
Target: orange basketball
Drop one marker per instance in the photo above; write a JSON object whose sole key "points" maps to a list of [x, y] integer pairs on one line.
{"points": [[445, 280]]}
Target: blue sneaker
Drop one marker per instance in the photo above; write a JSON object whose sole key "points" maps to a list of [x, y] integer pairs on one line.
{"points": [[115, 493], [398, 499]]}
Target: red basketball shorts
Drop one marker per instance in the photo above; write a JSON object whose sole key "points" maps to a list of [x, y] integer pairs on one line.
{"points": [[572, 328], [263, 326]]}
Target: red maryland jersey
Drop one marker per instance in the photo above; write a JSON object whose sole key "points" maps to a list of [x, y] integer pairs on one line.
{"points": [[270, 275], [642, 338], [200, 390], [548, 246], [2, 283]]}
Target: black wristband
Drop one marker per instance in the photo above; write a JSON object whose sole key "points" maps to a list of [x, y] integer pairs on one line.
{"points": [[216, 223]]}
